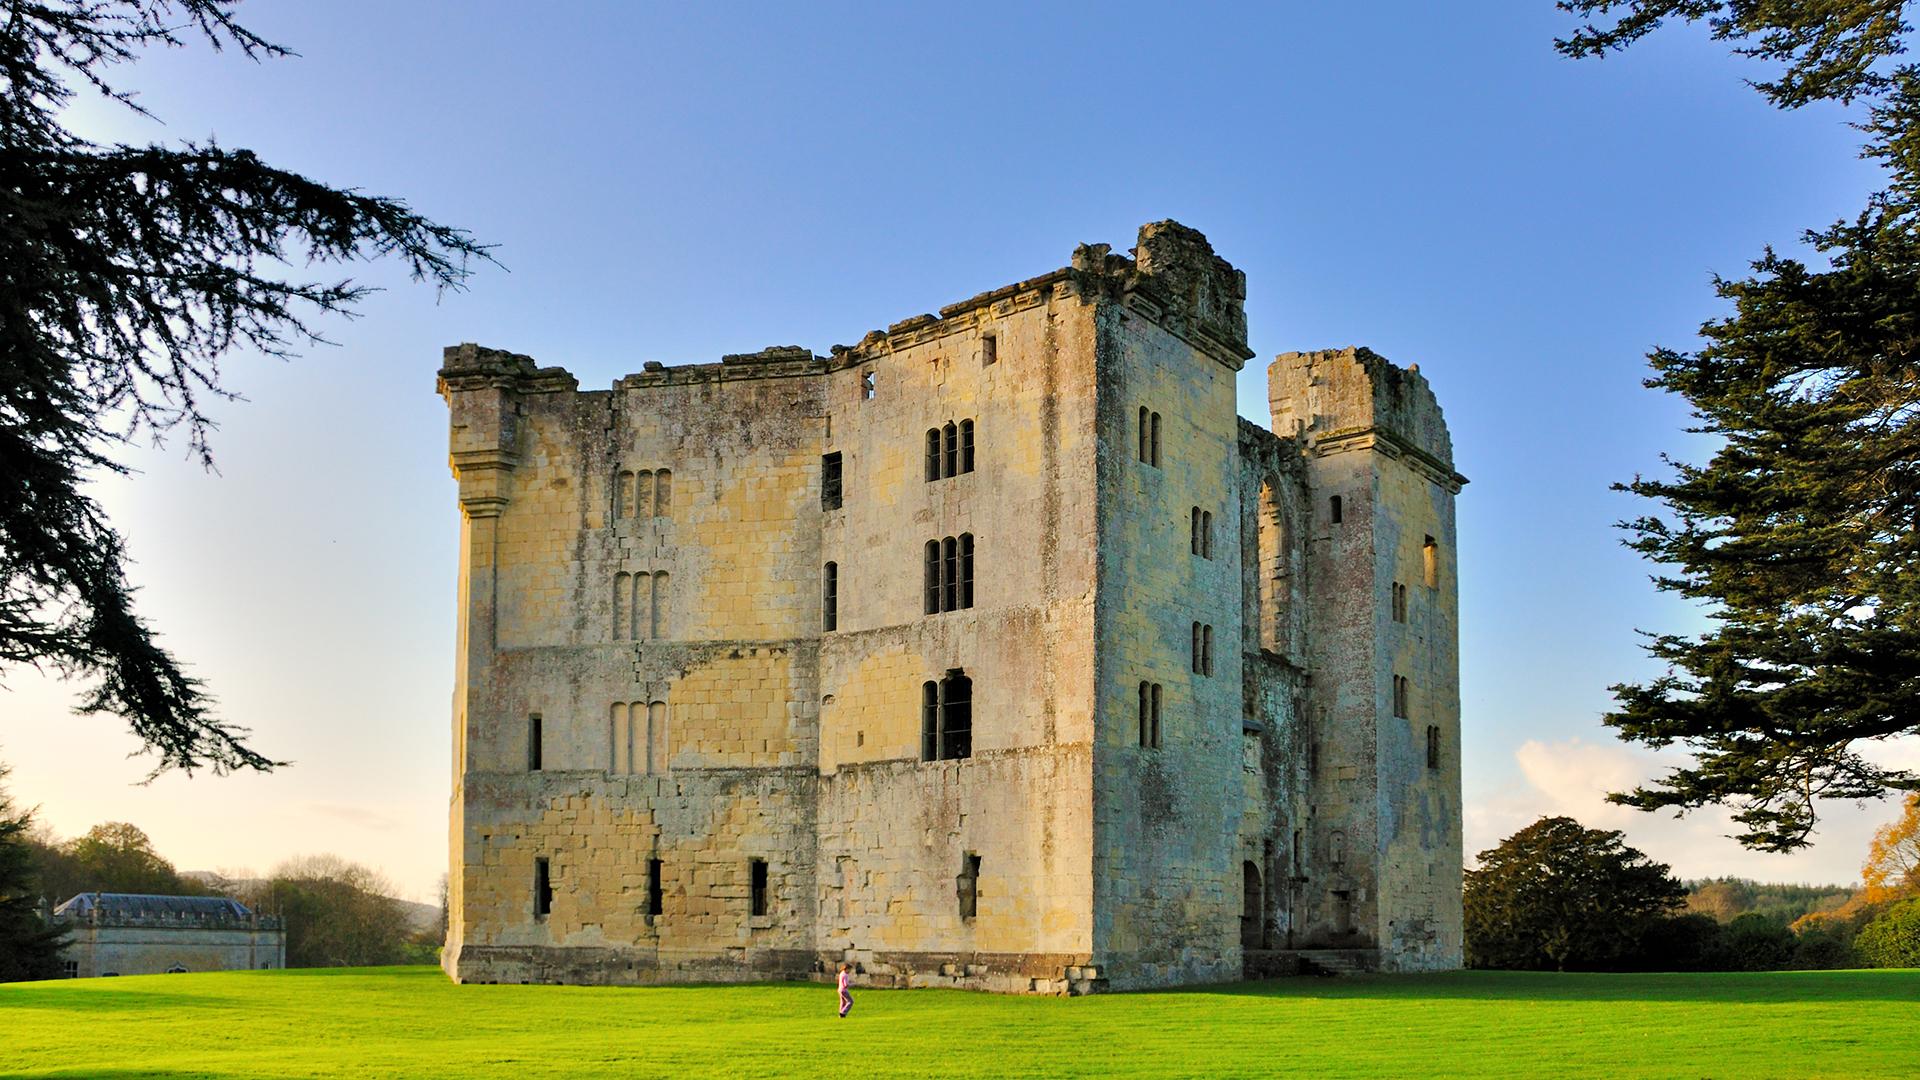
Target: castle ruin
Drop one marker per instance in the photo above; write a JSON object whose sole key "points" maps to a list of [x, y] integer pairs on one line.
{"points": [[994, 651]]}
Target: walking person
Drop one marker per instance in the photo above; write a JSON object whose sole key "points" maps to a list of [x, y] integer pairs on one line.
{"points": [[846, 995]]}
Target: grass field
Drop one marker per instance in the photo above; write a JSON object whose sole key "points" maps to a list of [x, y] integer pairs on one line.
{"points": [[413, 1022]]}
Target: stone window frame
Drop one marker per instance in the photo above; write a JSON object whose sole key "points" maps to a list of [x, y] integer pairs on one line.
{"points": [[759, 889], [947, 575], [949, 450], [1402, 695], [1433, 746], [942, 703], [1399, 601], [1150, 694], [832, 481], [1430, 559], [1149, 437], [830, 597], [542, 888]]}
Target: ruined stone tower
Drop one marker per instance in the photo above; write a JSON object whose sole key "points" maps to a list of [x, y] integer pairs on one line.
{"points": [[992, 651]]}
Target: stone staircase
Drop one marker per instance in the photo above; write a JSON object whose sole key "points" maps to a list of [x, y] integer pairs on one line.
{"points": [[1338, 961]]}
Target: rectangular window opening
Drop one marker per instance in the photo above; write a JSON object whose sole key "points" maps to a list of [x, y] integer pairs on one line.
{"points": [[542, 889], [1334, 509], [966, 446], [989, 350], [968, 885], [966, 570], [1433, 746], [1430, 556], [869, 388], [830, 481], [1154, 443], [656, 889], [929, 721], [757, 886], [535, 739], [933, 577], [830, 597], [956, 716]]}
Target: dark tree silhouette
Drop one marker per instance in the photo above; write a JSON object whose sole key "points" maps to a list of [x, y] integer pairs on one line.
{"points": [[126, 274], [1801, 535], [1562, 897], [29, 948]]}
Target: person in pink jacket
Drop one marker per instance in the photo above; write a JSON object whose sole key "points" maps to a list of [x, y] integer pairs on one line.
{"points": [[846, 995]]}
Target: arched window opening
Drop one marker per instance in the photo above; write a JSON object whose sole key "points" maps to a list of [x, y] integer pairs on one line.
{"points": [[1145, 435], [1196, 649], [950, 461], [966, 445], [660, 598], [933, 577], [966, 570], [1153, 444], [946, 718], [642, 494], [622, 494], [933, 454], [949, 574], [663, 493]]}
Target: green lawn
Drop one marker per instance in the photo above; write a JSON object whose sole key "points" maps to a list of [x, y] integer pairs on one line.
{"points": [[413, 1022]]}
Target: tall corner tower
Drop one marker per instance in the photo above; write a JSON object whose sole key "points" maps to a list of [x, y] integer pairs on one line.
{"points": [[1382, 865]]}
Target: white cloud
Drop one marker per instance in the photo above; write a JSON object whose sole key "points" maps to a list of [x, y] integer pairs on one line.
{"points": [[1572, 777]]}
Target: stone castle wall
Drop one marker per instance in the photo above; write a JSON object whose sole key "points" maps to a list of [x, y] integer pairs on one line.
{"points": [[654, 718]]}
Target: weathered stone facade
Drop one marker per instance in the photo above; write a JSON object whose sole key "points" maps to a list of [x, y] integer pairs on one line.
{"points": [[992, 651], [136, 934]]}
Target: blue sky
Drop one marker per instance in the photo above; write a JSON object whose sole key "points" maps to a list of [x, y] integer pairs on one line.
{"points": [[671, 184]]}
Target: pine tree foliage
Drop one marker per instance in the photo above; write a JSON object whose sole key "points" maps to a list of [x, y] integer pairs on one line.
{"points": [[1800, 534], [29, 948], [126, 274], [1559, 896]]}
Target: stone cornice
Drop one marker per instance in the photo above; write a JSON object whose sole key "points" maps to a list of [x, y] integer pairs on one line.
{"points": [[1392, 445]]}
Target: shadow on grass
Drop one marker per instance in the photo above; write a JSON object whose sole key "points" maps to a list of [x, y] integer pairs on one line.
{"points": [[1718, 987]]}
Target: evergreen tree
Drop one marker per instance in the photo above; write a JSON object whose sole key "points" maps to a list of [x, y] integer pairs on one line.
{"points": [[126, 274], [1801, 532], [1562, 897], [29, 948]]}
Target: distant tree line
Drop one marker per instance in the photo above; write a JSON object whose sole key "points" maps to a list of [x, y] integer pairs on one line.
{"points": [[337, 913], [1561, 897]]}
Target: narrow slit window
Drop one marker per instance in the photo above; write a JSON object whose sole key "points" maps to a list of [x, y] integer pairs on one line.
{"points": [[949, 574], [929, 721], [830, 481], [968, 885], [830, 596], [1143, 714], [534, 741], [1206, 534], [1206, 650], [950, 459], [622, 495], [1193, 532], [757, 887], [1145, 435], [933, 454], [1399, 602], [1155, 704], [1196, 649], [1430, 558], [933, 577], [966, 446], [542, 889], [656, 891], [1153, 446], [966, 570], [1334, 509], [1433, 746], [989, 350], [1400, 696]]}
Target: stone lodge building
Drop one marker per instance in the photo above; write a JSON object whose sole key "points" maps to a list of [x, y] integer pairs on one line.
{"points": [[138, 934], [994, 651]]}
